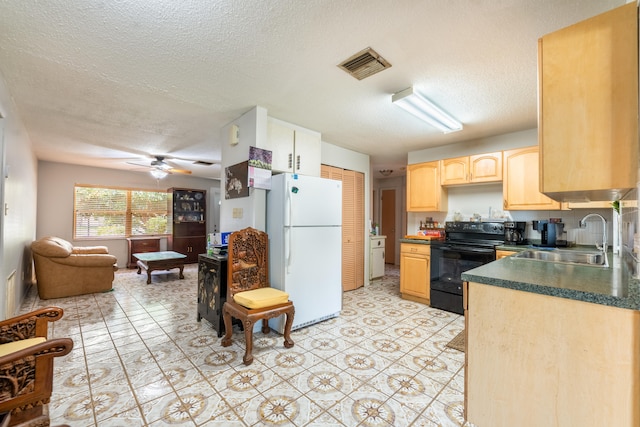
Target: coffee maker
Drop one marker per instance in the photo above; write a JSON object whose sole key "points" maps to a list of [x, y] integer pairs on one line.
{"points": [[550, 233], [514, 233]]}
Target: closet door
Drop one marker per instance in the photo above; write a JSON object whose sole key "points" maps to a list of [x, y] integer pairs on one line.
{"points": [[352, 225]]}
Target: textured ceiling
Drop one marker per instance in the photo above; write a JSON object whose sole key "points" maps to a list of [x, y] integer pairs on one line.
{"points": [[105, 82]]}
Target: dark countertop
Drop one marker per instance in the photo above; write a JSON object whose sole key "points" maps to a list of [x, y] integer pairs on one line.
{"points": [[418, 241], [217, 257], [614, 286]]}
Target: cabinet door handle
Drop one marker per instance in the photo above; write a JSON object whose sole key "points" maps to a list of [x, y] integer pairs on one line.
{"points": [[290, 160], [297, 162]]}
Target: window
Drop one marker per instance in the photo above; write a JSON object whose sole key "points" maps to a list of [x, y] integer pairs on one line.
{"points": [[118, 212]]}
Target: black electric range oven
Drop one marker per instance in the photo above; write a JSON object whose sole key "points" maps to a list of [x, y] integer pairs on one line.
{"points": [[467, 245]]}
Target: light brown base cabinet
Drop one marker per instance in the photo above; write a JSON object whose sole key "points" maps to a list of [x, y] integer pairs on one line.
{"points": [[538, 360], [415, 269]]}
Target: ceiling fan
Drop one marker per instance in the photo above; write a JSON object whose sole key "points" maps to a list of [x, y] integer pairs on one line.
{"points": [[161, 168]]}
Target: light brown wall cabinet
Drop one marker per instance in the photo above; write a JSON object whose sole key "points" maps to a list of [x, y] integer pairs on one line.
{"points": [[415, 270], [471, 169], [424, 192], [293, 150], [352, 224], [588, 129], [521, 182]]}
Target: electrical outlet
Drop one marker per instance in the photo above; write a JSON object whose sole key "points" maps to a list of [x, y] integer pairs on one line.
{"points": [[237, 213]]}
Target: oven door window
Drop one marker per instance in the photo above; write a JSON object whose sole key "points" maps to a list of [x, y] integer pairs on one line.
{"points": [[448, 264]]}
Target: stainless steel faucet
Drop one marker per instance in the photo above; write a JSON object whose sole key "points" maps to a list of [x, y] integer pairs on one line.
{"points": [[602, 247]]}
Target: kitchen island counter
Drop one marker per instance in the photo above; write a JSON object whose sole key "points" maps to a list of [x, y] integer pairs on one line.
{"points": [[614, 286], [552, 344]]}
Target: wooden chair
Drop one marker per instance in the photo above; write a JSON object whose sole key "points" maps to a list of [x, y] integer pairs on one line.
{"points": [[26, 365], [249, 295]]}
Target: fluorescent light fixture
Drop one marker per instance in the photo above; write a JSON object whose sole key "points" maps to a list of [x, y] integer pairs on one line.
{"points": [[424, 109], [158, 173]]}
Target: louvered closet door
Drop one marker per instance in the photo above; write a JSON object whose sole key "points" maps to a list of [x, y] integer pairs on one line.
{"points": [[352, 225], [349, 262], [358, 213], [331, 172]]}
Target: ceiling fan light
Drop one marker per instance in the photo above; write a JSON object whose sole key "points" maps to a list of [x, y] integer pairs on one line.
{"points": [[422, 108], [158, 173]]}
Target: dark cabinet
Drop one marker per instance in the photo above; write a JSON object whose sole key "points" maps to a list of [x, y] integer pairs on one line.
{"points": [[188, 233], [141, 245], [212, 289]]}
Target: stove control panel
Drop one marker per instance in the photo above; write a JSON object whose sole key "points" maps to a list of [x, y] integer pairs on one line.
{"points": [[475, 227]]}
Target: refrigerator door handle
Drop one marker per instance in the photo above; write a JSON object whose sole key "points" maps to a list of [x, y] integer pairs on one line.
{"points": [[287, 247], [287, 227]]}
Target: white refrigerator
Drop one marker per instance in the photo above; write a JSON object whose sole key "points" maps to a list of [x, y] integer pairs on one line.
{"points": [[304, 223]]}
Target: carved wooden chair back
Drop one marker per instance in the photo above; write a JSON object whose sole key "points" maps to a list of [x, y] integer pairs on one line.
{"points": [[248, 260], [248, 272]]}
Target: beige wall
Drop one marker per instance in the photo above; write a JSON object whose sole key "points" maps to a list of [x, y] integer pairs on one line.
{"points": [[55, 198]]}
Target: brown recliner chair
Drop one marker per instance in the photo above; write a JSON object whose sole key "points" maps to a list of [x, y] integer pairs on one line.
{"points": [[26, 365], [64, 270]]}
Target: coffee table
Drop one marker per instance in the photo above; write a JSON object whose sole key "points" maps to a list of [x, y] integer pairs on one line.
{"points": [[166, 260]]}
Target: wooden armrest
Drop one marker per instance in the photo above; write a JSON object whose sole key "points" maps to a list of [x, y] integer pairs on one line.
{"points": [[26, 379], [55, 347], [29, 325]]}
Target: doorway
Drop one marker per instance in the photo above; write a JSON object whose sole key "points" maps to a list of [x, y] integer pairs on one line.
{"points": [[388, 224]]}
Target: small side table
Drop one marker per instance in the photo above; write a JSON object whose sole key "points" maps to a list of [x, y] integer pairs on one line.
{"points": [[166, 260], [212, 289]]}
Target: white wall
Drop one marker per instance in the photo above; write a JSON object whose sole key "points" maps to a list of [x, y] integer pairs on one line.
{"points": [[56, 182], [507, 141], [18, 172], [252, 210]]}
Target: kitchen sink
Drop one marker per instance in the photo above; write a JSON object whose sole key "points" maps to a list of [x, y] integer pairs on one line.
{"points": [[592, 258]]}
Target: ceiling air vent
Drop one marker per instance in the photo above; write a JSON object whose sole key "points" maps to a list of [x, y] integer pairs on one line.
{"points": [[364, 64]]}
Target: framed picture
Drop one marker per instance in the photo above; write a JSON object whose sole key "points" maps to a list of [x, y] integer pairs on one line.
{"points": [[236, 181], [260, 158]]}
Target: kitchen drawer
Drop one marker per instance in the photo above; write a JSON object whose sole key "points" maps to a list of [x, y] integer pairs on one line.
{"points": [[415, 249]]}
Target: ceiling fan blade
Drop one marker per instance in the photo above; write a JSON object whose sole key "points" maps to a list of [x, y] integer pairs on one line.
{"points": [[139, 164], [179, 171]]}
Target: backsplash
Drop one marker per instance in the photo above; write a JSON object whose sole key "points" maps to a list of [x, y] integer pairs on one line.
{"points": [[486, 200]]}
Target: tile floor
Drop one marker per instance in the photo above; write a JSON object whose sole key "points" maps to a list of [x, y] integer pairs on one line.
{"points": [[140, 358]]}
